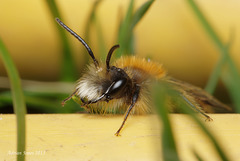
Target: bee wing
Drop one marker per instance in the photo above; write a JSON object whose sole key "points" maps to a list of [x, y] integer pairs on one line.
{"points": [[199, 98]]}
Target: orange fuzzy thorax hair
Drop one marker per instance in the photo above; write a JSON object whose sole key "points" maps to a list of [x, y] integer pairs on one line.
{"points": [[154, 69]]}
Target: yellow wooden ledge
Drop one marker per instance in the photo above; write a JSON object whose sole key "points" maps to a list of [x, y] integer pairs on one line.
{"points": [[91, 137]]}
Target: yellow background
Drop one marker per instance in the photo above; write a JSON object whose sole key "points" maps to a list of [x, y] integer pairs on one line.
{"points": [[169, 33]]}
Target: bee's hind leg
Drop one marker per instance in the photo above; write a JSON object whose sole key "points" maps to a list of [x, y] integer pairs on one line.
{"points": [[195, 106]]}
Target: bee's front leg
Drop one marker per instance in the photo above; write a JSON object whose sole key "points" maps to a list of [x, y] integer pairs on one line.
{"points": [[134, 100]]}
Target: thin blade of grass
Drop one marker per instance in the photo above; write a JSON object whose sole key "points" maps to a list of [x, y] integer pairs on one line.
{"points": [[233, 88], [216, 73], [197, 155], [126, 36], [18, 100], [38, 103], [140, 13], [137, 16], [101, 41], [68, 69], [123, 31], [41, 96], [168, 142], [91, 21], [231, 84]]}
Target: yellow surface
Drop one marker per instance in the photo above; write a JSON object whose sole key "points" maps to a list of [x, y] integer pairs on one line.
{"points": [[91, 137]]}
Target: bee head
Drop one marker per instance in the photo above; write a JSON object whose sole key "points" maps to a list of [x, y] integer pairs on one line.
{"points": [[119, 80], [118, 84], [113, 84]]}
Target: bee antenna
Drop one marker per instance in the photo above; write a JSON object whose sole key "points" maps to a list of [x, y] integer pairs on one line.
{"points": [[110, 54], [80, 39]]}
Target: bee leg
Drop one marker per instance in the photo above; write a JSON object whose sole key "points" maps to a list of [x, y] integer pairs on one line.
{"points": [[134, 100], [195, 106], [92, 101], [100, 97], [69, 97], [85, 103]]}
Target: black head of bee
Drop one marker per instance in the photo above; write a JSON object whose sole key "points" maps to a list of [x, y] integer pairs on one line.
{"points": [[116, 84]]}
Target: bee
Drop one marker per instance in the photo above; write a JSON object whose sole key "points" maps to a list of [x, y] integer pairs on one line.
{"points": [[125, 86]]}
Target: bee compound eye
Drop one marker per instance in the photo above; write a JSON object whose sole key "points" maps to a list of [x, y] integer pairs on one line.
{"points": [[116, 90]]}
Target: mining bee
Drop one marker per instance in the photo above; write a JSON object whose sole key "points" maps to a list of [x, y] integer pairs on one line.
{"points": [[125, 86]]}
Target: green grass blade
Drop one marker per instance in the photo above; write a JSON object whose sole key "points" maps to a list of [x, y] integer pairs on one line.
{"points": [[68, 69], [126, 37], [232, 69], [124, 31], [18, 99], [92, 20], [168, 143], [140, 13], [137, 16], [231, 84], [197, 155], [42, 104], [101, 41], [216, 73], [43, 97], [206, 25]]}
